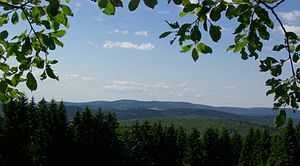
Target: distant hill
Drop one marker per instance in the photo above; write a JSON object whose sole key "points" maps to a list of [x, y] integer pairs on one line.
{"points": [[203, 123], [134, 110], [130, 109]]}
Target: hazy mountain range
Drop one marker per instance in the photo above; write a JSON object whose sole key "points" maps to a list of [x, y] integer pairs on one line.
{"points": [[134, 109]]}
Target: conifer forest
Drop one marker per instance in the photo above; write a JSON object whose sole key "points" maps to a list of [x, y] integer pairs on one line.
{"points": [[41, 134]]}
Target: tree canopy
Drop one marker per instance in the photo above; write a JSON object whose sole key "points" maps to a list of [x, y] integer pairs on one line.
{"points": [[48, 21]]}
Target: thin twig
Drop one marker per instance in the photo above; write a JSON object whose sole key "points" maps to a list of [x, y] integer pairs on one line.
{"points": [[35, 33], [10, 5], [285, 33], [275, 6]]}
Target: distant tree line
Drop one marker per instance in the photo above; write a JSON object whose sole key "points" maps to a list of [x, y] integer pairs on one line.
{"points": [[41, 134]]}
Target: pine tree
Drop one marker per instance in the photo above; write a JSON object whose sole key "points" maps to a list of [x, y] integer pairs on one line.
{"points": [[15, 133], [195, 151], [261, 148], [181, 144], [284, 147], [50, 142], [297, 129], [211, 148], [236, 145], [290, 144], [169, 148], [265, 144], [84, 138], [225, 149], [247, 153]]}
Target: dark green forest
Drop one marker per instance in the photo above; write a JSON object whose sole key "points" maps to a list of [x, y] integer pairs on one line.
{"points": [[41, 134]]}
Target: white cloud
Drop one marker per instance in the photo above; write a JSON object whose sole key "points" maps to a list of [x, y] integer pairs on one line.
{"points": [[98, 18], [291, 15], [199, 96], [134, 86], [93, 44], [87, 78], [233, 97], [127, 45], [163, 12], [118, 31], [141, 33], [75, 77], [230, 87], [293, 28]]}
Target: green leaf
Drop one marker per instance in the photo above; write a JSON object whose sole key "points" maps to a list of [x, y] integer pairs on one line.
{"points": [[215, 14], [150, 3], [238, 1], [3, 35], [3, 19], [39, 62], [31, 82], [244, 54], [66, 9], [278, 47], [23, 15], [292, 36], [109, 9], [133, 4], [50, 73], [57, 42], [195, 34], [203, 48], [298, 48], [183, 29], [102, 3], [59, 33], [3, 86], [117, 3], [165, 34], [186, 48], [34, 12], [53, 7], [230, 12], [182, 14], [195, 54], [46, 24], [48, 41], [174, 25], [230, 48], [215, 33], [295, 58], [189, 7], [3, 98], [280, 119], [52, 61], [15, 18], [205, 25], [239, 29], [263, 33], [43, 76], [177, 2]]}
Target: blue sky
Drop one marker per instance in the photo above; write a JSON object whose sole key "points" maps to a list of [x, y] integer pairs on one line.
{"points": [[121, 57]]}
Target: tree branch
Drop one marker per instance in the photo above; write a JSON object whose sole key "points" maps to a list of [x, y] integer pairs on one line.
{"points": [[10, 5], [275, 6], [285, 33], [32, 28]]}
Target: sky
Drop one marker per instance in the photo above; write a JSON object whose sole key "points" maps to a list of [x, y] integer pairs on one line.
{"points": [[121, 57]]}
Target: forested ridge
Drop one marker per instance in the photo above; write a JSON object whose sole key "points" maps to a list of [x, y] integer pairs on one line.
{"points": [[41, 134]]}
